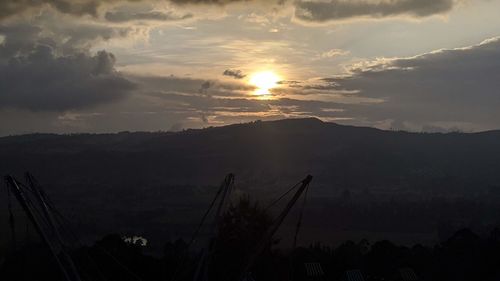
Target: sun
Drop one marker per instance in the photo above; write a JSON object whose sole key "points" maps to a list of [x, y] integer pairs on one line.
{"points": [[264, 81]]}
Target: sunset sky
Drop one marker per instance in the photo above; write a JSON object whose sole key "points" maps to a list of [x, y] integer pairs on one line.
{"points": [[70, 66]]}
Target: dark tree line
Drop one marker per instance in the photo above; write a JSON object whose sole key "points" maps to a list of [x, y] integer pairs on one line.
{"points": [[463, 256]]}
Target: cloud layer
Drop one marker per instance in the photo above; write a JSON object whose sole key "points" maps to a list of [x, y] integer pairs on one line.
{"points": [[91, 7], [314, 11], [322, 11], [453, 86], [74, 7], [122, 16]]}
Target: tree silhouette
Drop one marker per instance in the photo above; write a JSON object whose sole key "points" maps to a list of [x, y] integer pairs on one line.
{"points": [[241, 229]]}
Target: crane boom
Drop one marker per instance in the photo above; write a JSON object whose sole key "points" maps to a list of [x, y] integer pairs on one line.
{"points": [[206, 255], [268, 237], [42, 201], [44, 225]]}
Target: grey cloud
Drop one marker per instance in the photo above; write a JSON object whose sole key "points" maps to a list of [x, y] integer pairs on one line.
{"points": [[192, 86], [73, 37], [18, 39], [235, 73], [453, 86], [42, 81], [204, 87], [57, 73], [323, 11], [123, 16], [76, 7], [197, 97], [66, 38], [212, 2], [171, 84], [232, 102], [91, 7], [84, 7], [227, 2]]}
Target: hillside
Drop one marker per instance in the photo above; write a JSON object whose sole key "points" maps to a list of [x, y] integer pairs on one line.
{"points": [[144, 181], [270, 150]]}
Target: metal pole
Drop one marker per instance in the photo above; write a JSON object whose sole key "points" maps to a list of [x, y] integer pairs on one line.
{"points": [[267, 238], [22, 199]]}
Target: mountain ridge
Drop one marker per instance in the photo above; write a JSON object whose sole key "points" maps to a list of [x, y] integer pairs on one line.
{"points": [[284, 147], [293, 121]]}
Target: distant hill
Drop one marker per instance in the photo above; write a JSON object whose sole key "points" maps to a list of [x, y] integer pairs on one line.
{"points": [[162, 173], [338, 156]]}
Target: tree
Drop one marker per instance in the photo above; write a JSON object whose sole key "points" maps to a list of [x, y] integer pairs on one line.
{"points": [[241, 229]]}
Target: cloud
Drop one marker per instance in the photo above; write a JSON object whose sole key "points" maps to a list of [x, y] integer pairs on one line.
{"points": [[205, 87], [91, 7], [49, 67], [210, 2], [442, 90], [191, 86], [237, 74], [66, 36], [454, 86], [74, 7], [123, 16], [334, 53], [42, 81], [222, 102], [333, 10]]}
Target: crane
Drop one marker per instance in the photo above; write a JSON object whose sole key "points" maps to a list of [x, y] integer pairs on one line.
{"points": [[267, 238], [39, 211], [224, 192], [222, 198]]}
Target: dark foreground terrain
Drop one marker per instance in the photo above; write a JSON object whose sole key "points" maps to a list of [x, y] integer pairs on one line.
{"points": [[368, 183], [463, 257]]}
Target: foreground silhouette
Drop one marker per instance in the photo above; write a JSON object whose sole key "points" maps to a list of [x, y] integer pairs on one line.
{"points": [[464, 256]]}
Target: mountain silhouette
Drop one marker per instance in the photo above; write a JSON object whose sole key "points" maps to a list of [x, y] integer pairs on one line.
{"points": [[138, 178]]}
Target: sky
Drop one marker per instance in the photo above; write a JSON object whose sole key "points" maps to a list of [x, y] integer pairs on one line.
{"points": [[103, 66]]}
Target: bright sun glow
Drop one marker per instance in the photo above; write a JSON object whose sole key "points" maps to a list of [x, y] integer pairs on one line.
{"points": [[264, 81]]}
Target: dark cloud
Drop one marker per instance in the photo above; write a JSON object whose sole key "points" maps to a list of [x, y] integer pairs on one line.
{"points": [[66, 38], [57, 73], [290, 83], [172, 84], [211, 2], [91, 8], [18, 39], [123, 16], [74, 7], [70, 37], [204, 87], [42, 81], [191, 86], [446, 86], [237, 74], [316, 11]]}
